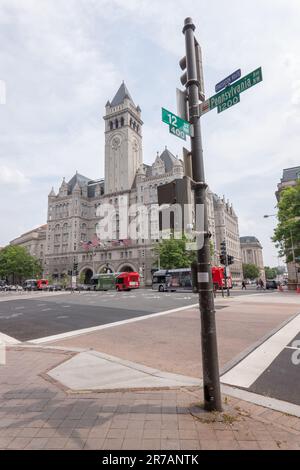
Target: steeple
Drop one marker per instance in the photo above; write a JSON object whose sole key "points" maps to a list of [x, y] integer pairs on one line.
{"points": [[123, 141], [121, 95]]}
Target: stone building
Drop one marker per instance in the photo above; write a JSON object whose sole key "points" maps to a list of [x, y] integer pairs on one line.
{"points": [[76, 212], [252, 254], [34, 241], [226, 228]]}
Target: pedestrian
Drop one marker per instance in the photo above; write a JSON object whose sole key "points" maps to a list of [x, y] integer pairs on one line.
{"points": [[261, 283], [244, 285]]}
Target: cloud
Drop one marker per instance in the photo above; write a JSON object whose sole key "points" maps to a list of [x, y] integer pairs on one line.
{"points": [[12, 177]]}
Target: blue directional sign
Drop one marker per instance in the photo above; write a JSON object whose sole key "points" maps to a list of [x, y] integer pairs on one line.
{"points": [[231, 78]]}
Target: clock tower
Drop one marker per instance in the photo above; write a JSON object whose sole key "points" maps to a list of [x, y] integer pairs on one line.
{"points": [[123, 142]]}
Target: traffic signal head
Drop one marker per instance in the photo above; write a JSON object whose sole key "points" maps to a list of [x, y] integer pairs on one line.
{"points": [[223, 248], [230, 259], [223, 259], [198, 72]]}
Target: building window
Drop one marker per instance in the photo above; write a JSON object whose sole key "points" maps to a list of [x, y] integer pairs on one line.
{"points": [[122, 121], [111, 125]]}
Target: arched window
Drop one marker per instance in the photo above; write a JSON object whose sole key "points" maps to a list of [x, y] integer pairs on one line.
{"points": [[111, 125], [122, 121], [116, 123], [130, 122]]}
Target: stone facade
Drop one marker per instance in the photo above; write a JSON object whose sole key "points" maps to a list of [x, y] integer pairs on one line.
{"points": [[252, 254], [226, 228], [34, 241], [73, 233]]}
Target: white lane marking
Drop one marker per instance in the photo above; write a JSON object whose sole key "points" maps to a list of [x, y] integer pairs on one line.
{"points": [[41, 305], [246, 372], [63, 316], [261, 400], [66, 306], [8, 339], [46, 309], [19, 308], [291, 347], [69, 334], [13, 315]]}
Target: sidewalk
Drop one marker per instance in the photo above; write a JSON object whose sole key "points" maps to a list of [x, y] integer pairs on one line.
{"points": [[137, 386], [37, 413]]}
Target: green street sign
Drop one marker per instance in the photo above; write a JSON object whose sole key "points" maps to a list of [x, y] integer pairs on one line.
{"points": [[177, 132], [227, 104], [176, 121], [234, 90]]}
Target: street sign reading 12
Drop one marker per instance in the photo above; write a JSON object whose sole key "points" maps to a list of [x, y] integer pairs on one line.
{"points": [[176, 121]]}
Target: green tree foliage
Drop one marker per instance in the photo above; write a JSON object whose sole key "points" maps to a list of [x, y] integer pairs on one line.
{"points": [[172, 254], [271, 273], [287, 232], [250, 271], [16, 262]]}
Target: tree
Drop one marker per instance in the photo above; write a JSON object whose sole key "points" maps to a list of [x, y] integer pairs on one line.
{"points": [[271, 273], [16, 262], [250, 271], [287, 233], [172, 254]]}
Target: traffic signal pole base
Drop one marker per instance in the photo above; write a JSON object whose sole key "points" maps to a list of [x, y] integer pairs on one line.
{"points": [[228, 412]]}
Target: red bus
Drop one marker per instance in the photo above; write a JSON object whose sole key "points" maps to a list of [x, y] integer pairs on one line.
{"points": [[127, 281], [42, 284]]}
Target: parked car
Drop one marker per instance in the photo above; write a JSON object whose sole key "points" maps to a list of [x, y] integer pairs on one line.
{"points": [[271, 284], [54, 287]]}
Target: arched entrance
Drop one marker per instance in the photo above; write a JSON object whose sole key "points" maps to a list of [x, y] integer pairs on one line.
{"points": [[86, 275], [106, 269], [127, 268]]}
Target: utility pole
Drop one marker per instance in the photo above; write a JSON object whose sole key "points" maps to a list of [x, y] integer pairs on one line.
{"points": [[194, 85]]}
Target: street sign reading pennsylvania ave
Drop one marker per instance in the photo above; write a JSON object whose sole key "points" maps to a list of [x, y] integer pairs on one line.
{"points": [[221, 99], [231, 78]]}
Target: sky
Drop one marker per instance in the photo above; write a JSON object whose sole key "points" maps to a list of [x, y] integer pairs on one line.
{"points": [[61, 61]]}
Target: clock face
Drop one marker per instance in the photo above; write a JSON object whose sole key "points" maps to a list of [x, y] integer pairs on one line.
{"points": [[116, 142]]}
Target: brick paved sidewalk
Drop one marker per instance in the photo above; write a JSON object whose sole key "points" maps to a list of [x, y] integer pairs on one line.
{"points": [[37, 414]]}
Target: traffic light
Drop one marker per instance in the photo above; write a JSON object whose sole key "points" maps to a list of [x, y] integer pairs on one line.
{"points": [[199, 71], [70, 272], [223, 251], [75, 268], [230, 259]]}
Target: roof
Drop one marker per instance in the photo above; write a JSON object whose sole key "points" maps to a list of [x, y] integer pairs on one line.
{"points": [[290, 174], [249, 239], [80, 179], [120, 96], [169, 160]]}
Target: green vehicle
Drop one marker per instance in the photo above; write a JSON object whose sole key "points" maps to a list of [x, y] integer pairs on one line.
{"points": [[106, 281]]}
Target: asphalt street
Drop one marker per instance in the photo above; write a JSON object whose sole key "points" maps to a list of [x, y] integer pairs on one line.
{"points": [[30, 319]]}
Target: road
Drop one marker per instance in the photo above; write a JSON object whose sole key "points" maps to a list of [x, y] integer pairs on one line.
{"points": [[34, 316], [270, 369]]}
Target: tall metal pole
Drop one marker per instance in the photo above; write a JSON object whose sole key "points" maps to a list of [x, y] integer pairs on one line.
{"points": [[211, 380]]}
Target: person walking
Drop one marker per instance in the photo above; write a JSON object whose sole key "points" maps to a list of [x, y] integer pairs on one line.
{"points": [[244, 285]]}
